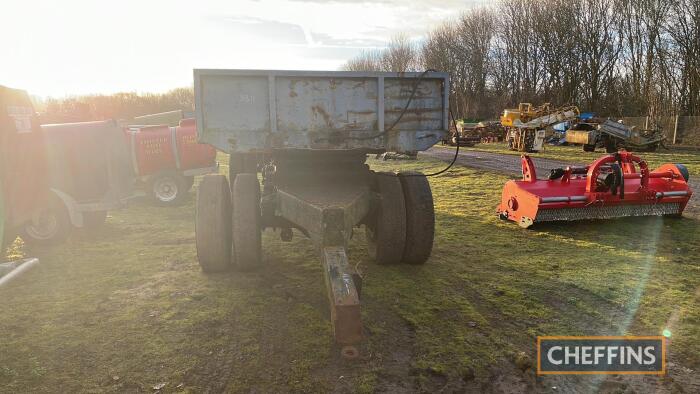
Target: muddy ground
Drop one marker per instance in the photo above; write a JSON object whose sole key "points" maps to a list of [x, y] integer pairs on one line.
{"points": [[127, 309]]}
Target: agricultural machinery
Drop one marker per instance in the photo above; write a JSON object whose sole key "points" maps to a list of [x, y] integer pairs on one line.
{"points": [[24, 183], [613, 135], [166, 159], [470, 134], [616, 185], [526, 125], [89, 175], [308, 135]]}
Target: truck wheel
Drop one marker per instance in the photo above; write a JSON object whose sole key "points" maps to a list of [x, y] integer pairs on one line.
{"points": [[94, 220], [588, 148], [213, 224], [247, 241], [241, 163], [50, 226], [420, 217], [610, 147], [386, 230], [167, 188]]}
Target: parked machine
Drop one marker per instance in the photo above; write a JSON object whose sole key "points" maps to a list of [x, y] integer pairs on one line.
{"points": [[309, 134], [463, 134], [526, 125], [166, 159], [613, 135], [89, 175], [615, 185], [24, 182]]}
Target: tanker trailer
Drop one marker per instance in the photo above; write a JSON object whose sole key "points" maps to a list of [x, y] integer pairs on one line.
{"points": [[23, 168], [166, 159], [89, 175], [308, 134]]}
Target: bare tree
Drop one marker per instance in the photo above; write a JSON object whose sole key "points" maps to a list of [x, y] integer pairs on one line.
{"points": [[614, 57]]}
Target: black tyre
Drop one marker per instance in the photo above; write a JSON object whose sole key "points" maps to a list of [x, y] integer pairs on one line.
{"points": [[213, 224], [168, 188], [588, 148], [50, 226], [420, 217], [94, 220], [241, 163], [247, 240], [386, 230]]}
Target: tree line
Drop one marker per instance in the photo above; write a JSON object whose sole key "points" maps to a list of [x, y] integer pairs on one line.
{"points": [[613, 57], [114, 106]]}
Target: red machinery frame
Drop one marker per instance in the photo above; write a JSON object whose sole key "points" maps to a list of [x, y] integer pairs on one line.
{"points": [[645, 192]]}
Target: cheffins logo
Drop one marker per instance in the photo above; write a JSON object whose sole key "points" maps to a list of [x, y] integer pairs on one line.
{"points": [[601, 355]]}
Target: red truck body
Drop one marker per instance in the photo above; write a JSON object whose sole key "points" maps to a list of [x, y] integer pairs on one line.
{"points": [[161, 148], [167, 158]]}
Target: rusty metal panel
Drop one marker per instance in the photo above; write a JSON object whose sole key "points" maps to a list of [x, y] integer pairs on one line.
{"points": [[343, 296], [254, 110]]}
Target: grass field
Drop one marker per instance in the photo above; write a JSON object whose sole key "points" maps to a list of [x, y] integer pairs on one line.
{"points": [[127, 309]]}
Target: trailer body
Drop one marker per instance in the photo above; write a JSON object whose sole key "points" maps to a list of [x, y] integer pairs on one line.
{"points": [[309, 133], [257, 111]]}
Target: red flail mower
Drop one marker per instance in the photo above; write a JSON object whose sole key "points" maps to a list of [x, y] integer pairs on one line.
{"points": [[615, 185]]}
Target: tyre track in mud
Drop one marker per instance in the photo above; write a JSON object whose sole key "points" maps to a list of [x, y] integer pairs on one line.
{"points": [[510, 164]]}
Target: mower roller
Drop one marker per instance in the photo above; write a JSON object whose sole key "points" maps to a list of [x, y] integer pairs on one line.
{"points": [[613, 186]]}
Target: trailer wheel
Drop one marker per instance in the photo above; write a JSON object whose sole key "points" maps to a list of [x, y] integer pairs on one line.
{"points": [[420, 217], [51, 225], [93, 220], [247, 240], [241, 163], [386, 230], [213, 223], [610, 147], [588, 148], [167, 188]]}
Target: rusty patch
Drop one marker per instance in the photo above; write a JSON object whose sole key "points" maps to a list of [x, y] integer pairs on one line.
{"points": [[318, 110]]}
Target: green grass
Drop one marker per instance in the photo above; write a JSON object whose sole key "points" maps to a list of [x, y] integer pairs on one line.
{"points": [[689, 158], [127, 308]]}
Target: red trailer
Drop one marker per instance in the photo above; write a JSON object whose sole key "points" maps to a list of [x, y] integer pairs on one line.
{"points": [[166, 159], [24, 184]]}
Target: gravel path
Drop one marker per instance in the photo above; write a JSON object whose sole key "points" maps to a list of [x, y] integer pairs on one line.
{"points": [[510, 164]]}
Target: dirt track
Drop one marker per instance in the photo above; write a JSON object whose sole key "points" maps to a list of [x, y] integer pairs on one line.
{"points": [[510, 164]]}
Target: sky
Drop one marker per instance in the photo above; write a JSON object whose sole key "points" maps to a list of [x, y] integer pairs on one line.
{"points": [[70, 47]]}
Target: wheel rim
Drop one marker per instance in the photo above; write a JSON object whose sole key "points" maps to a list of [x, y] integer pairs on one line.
{"points": [[165, 189], [43, 226]]}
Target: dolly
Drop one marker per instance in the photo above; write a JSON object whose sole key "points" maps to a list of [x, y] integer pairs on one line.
{"points": [[613, 186]]}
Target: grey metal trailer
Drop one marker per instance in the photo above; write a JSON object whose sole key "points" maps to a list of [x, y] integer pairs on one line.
{"points": [[309, 133]]}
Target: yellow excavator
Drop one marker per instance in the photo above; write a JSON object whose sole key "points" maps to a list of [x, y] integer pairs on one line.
{"points": [[525, 126]]}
